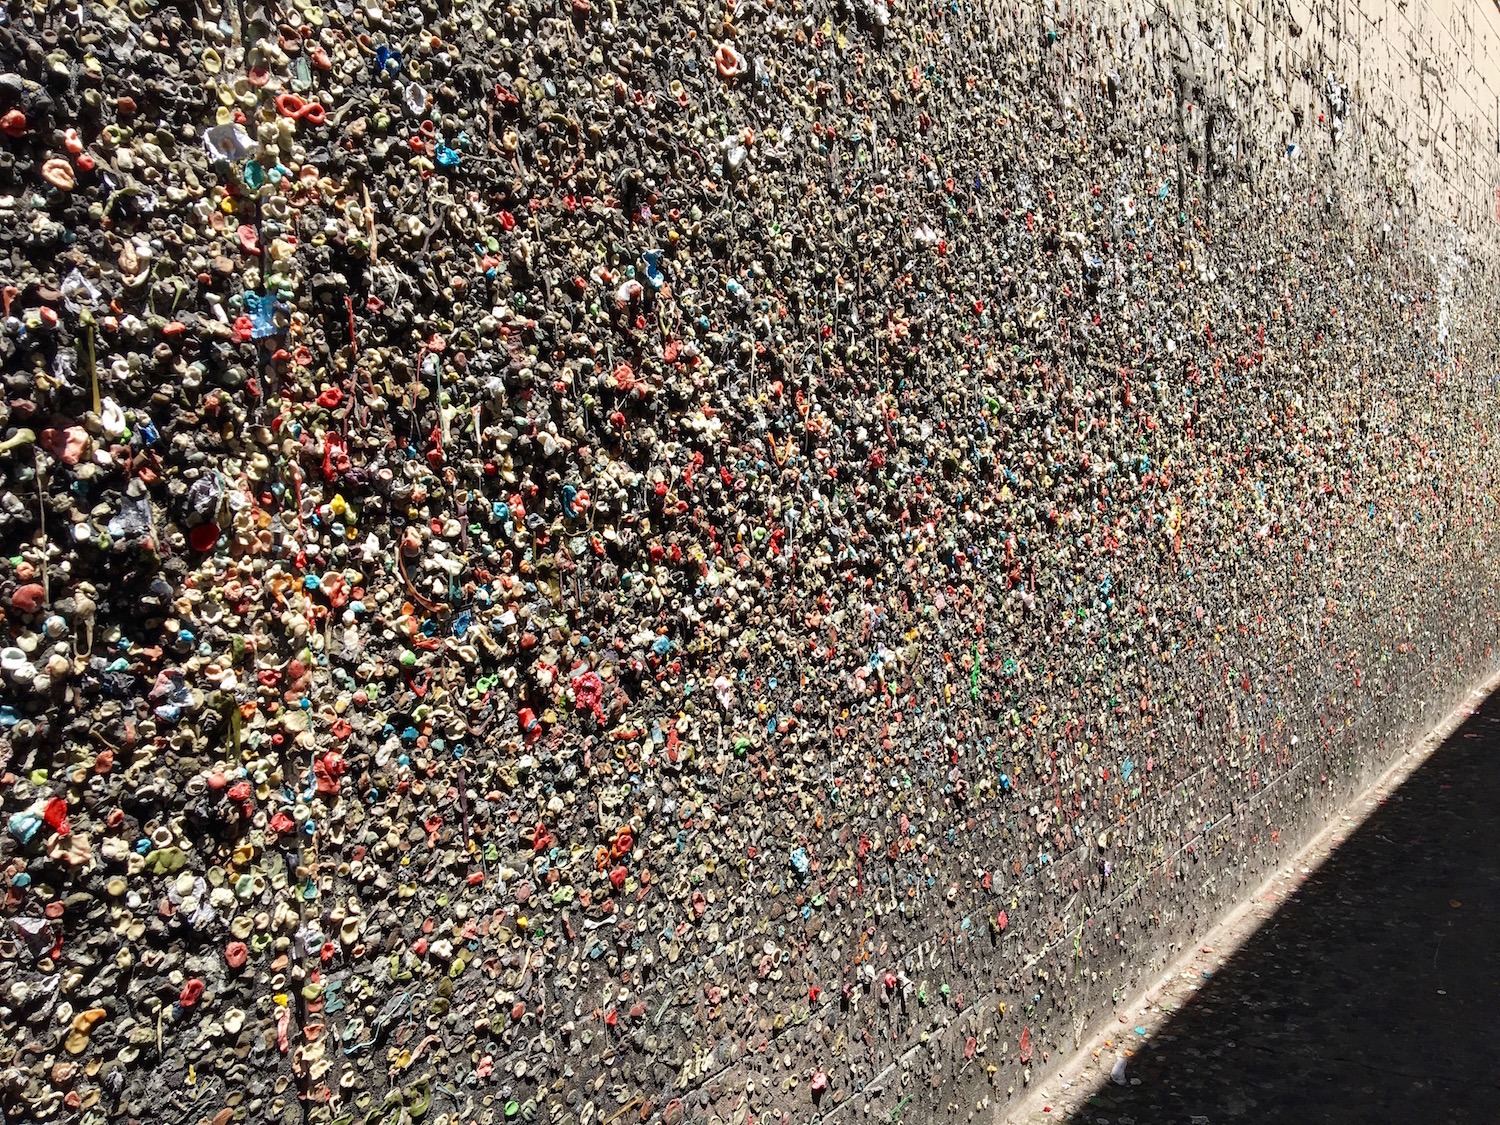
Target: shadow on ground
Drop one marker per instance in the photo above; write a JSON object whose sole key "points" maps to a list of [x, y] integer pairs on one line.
{"points": [[1373, 994]]}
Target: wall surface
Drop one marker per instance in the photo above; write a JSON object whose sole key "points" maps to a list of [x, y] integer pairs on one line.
{"points": [[588, 562]]}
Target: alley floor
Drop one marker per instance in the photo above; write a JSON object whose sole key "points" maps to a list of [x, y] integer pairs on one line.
{"points": [[1361, 985]]}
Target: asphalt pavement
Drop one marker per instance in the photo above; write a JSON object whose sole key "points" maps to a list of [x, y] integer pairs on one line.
{"points": [[1371, 994]]}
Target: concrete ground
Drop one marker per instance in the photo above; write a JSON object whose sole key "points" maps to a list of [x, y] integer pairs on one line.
{"points": [[1361, 984]]}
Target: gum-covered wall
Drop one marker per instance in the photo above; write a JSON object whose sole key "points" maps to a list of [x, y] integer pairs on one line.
{"points": [[590, 561]]}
